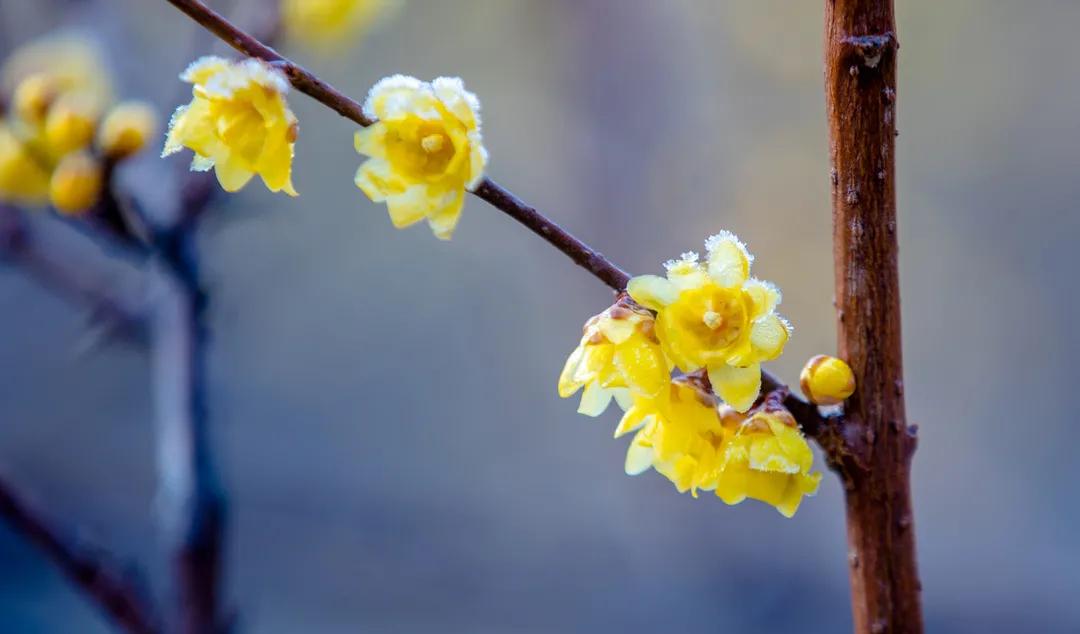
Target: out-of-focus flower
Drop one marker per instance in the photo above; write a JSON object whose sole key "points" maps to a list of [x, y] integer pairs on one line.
{"points": [[713, 315], [238, 123], [766, 458], [63, 64], [426, 150], [69, 125], [126, 129], [32, 98], [827, 380], [76, 183], [24, 179], [323, 24], [618, 354], [679, 433]]}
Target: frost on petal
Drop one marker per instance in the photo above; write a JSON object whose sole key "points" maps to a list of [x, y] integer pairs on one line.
{"points": [[390, 96], [764, 296], [768, 336], [652, 291], [728, 259], [203, 68], [463, 104]]}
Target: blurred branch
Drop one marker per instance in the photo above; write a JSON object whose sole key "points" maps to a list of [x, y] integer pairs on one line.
{"points": [[86, 566], [193, 501], [86, 280]]}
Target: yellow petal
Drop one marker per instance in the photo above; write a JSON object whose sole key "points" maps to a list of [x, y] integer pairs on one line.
{"points": [[652, 291], [632, 420], [408, 208], [568, 385], [377, 180], [594, 400], [738, 387], [445, 219], [370, 141], [638, 459], [764, 297], [768, 336], [232, 174], [728, 259], [642, 365]]}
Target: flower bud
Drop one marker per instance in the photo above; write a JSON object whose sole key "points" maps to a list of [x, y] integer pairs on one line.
{"points": [[126, 129], [76, 183], [69, 126], [827, 380], [32, 98]]}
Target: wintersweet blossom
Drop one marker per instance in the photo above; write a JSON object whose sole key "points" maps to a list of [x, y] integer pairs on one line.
{"points": [[618, 353], [713, 315], [237, 123], [827, 380], [326, 23], [766, 458], [679, 433], [126, 128], [76, 183], [425, 150], [65, 64]]}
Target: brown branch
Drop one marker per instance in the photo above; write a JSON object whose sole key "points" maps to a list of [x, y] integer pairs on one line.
{"points": [[860, 93], [88, 567]]}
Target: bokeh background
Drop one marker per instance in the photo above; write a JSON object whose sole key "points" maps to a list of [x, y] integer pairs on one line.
{"points": [[384, 404]]}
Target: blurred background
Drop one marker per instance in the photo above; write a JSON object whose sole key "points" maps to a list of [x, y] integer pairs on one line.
{"points": [[384, 404]]}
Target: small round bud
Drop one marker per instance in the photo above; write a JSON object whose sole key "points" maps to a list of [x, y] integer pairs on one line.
{"points": [[32, 98], [76, 183], [69, 126], [827, 380], [126, 129]]}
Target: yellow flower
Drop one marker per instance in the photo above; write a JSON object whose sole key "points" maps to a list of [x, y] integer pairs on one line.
{"points": [[827, 380], [680, 434], [126, 128], [327, 23], [69, 125], [63, 64], [617, 355], [765, 458], [238, 123], [76, 183], [713, 315], [24, 178], [425, 149], [32, 98]]}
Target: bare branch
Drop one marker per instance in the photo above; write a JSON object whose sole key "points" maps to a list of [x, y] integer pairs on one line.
{"points": [[64, 261], [88, 567]]}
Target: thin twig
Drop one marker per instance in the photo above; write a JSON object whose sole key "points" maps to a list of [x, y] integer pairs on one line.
{"points": [[89, 567]]}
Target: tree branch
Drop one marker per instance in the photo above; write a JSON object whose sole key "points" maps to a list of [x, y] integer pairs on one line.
{"points": [[48, 251], [86, 566], [873, 455]]}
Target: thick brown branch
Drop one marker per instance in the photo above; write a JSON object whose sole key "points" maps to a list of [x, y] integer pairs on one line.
{"points": [[86, 566], [874, 457]]}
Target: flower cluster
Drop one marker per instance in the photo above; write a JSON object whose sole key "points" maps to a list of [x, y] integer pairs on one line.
{"points": [[237, 123], [61, 128], [713, 320], [699, 444], [425, 150]]}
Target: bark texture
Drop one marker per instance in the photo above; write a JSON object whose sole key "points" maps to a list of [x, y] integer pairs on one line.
{"points": [[877, 444]]}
